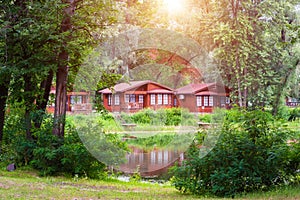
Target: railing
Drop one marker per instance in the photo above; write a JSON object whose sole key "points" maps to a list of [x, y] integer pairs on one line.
{"points": [[84, 107], [293, 104]]}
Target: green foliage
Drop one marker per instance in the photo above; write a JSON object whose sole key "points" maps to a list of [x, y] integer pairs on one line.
{"points": [[252, 154], [106, 147], [54, 155], [143, 117], [294, 114], [47, 153], [205, 118], [167, 117], [159, 140]]}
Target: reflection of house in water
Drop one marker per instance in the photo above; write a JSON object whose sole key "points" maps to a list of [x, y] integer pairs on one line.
{"points": [[150, 162]]}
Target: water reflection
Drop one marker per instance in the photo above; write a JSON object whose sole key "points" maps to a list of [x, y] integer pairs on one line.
{"points": [[150, 162]]}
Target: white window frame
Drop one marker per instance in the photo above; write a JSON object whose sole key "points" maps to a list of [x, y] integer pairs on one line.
{"points": [[126, 98], [117, 99], [211, 101], [141, 98], [76, 99], [205, 101], [166, 99], [152, 99], [199, 101], [132, 98], [159, 99], [109, 99]]}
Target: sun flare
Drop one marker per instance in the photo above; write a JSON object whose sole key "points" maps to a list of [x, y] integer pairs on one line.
{"points": [[174, 6]]}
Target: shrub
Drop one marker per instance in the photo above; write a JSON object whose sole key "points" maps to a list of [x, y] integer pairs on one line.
{"points": [[53, 155], [205, 118], [144, 116], [294, 114], [252, 154], [168, 117]]}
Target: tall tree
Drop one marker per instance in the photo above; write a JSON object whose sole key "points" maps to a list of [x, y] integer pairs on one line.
{"points": [[80, 24], [245, 39], [29, 32]]}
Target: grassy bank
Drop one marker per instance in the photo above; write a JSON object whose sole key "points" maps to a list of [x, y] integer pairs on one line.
{"points": [[25, 184]]}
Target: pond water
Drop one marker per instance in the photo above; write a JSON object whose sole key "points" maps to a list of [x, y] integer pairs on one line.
{"points": [[151, 162]]}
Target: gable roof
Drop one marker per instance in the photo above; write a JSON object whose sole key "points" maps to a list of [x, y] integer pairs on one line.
{"points": [[123, 87], [193, 88], [198, 87]]}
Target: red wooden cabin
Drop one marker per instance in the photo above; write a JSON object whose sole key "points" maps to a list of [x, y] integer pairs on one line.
{"points": [[203, 97], [137, 95], [78, 102]]}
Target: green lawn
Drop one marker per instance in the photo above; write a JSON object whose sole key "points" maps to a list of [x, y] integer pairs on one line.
{"points": [[25, 184]]}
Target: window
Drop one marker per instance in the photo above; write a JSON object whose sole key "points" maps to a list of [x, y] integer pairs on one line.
{"points": [[141, 99], [109, 99], [205, 101], [211, 101], [159, 99], [76, 99], [117, 99], [175, 102], [227, 100], [126, 98], [166, 99], [199, 101], [222, 101], [132, 98], [152, 99]]}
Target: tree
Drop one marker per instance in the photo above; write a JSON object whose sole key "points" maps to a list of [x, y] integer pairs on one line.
{"points": [[80, 20], [28, 32], [244, 37]]}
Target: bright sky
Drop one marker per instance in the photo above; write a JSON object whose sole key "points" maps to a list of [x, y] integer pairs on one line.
{"points": [[174, 6]]}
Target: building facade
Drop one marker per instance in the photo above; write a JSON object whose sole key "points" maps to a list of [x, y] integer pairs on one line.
{"points": [[137, 95]]}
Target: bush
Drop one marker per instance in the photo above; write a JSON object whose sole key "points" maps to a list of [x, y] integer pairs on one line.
{"points": [[47, 153], [144, 116], [252, 154], [294, 114], [207, 118], [168, 117]]}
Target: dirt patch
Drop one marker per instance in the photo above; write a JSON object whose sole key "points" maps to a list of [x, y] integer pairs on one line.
{"points": [[93, 187], [4, 186]]}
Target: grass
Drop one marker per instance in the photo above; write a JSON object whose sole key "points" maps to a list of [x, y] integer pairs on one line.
{"points": [[25, 184]]}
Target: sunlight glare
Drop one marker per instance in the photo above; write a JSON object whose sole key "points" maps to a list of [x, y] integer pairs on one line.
{"points": [[174, 6]]}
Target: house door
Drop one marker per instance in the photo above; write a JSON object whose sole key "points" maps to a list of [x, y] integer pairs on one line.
{"points": [[141, 101]]}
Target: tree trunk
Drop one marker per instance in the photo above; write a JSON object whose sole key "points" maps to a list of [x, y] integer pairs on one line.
{"points": [[29, 102], [3, 98], [281, 88], [60, 99], [42, 102], [62, 73], [245, 90]]}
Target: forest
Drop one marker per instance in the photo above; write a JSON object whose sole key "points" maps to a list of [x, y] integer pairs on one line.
{"points": [[251, 46]]}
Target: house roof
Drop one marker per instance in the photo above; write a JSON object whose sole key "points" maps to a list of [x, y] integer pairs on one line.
{"points": [[123, 87], [201, 89], [193, 88]]}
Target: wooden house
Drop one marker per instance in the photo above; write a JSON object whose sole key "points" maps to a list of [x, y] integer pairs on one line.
{"points": [[292, 102], [137, 95], [77, 102], [203, 97]]}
